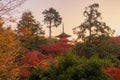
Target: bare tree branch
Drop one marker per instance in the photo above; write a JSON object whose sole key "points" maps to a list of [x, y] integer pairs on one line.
{"points": [[8, 5]]}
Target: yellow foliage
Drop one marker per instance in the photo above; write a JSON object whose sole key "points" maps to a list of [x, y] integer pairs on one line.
{"points": [[25, 31], [9, 47], [25, 34], [44, 64]]}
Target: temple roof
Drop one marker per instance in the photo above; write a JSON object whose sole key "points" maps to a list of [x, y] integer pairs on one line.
{"points": [[63, 35]]}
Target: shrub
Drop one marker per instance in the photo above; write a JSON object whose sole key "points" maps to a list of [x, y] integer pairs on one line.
{"points": [[71, 67], [36, 74]]}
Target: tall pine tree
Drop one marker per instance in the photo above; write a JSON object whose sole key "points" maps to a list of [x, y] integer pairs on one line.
{"points": [[52, 19]]}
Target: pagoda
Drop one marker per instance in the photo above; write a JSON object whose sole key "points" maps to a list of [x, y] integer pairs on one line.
{"points": [[63, 36]]}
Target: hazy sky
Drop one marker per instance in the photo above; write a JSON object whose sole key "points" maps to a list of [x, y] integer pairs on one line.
{"points": [[72, 12]]}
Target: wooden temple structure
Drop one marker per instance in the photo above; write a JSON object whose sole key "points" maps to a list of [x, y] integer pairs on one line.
{"points": [[63, 36]]}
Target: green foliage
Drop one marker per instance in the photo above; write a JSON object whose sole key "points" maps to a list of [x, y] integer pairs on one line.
{"points": [[71, 67], [34, 44], [94, 34], [92, 27], [36, 74], [100, 47], [85, 49]]}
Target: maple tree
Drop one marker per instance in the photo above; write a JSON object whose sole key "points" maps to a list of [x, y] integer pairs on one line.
{"points": [[114, 72], [9, 48], [56, 48], [115, 46], [33, 59], [115, 40]]}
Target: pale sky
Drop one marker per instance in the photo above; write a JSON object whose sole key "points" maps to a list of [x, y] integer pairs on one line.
{"points": [[72, 12]]}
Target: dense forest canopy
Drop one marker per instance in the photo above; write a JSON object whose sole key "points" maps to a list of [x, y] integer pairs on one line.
{"points": [[27, 54]]}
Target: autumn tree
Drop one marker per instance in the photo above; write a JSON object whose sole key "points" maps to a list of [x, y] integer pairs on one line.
{"points": [[92, 27], [52, 19], [9, 48], [56, 49], [29, 30], [31, 60], [29, 23]]}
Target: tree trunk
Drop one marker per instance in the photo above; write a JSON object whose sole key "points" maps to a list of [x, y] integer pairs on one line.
{"points": [[90, 27], [90, 33], [50, 31]]}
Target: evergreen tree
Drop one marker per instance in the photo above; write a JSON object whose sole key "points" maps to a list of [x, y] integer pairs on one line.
{"points": [[52, 19]]}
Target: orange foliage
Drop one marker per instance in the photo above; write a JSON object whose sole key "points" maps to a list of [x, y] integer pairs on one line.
{"points": [[25, 31], [113, 72], [25, 34], [9, 47], [33, 59], [115, 40]]}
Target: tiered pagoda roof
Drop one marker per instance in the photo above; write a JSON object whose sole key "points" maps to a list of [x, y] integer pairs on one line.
{"points": [[63, 34]]}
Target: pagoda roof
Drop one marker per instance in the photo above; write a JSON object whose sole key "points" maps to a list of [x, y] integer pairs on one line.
{"points": [[63, 35]]}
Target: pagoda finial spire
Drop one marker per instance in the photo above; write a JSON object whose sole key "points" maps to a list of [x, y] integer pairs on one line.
{"points": [[63, 28]]}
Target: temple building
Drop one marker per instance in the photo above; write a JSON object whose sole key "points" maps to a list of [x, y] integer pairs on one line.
{"points": [[63, 36]]}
